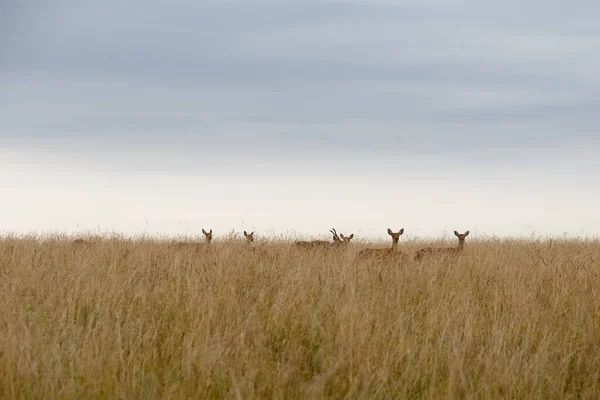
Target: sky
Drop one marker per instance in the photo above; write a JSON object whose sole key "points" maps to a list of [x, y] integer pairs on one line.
{"points": [[292, 117]]}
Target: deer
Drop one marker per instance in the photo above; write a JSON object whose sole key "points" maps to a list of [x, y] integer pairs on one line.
{"points": [[249, 237], [250, 242], [315, 243], [86, 242], [444, 251], [340, 240], [388, 252], [207, 235], [337, 240], [258, 250]]}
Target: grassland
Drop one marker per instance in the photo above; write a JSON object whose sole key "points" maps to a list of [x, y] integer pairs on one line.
{"points": [[119, 318]]}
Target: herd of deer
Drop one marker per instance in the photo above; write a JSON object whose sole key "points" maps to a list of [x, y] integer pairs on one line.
{"points": [[341, 240], [369, 253]]}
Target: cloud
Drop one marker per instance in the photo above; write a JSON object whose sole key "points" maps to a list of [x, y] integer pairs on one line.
{"points": [[429, 98]]}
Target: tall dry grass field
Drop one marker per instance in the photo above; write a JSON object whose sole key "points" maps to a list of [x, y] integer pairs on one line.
{"points": [[118, 318]]}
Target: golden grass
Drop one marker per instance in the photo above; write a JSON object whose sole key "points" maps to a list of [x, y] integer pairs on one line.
{"points": [[117, 318]]}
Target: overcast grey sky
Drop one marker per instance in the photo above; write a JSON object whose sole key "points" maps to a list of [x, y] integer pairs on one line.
{"points": [[432, 115]]}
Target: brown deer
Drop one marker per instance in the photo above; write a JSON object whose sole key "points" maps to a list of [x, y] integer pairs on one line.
{"points": [[388, 252], [208, 236], [337, 241], [340, 240], [346, 239], [313, 243], [256, 249], [443, 251], [249, 237], [316, 243]]}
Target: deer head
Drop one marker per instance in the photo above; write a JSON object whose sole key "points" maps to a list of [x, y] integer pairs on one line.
{"points": [[208, 235], [395, 236], [249, 236], [336, 238], [461, 238], [341, 238], [346, 239]]}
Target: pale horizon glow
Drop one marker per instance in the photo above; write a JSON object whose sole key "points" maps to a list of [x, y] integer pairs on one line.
{"points": [[79, 197], [294, 117]]}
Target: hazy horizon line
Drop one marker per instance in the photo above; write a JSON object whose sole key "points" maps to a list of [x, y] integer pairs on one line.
{"points": [[289, 235]]}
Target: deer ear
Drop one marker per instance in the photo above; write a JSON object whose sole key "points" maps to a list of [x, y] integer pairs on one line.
{"points": [[467, 233], [245, 233], [401, 231], [389, 231], [210, 231], [203, 231], [456, 233], [252, 233], [351, 236]]}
